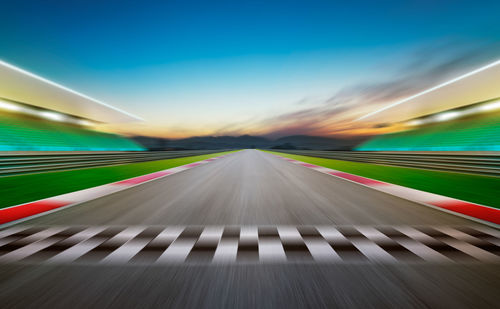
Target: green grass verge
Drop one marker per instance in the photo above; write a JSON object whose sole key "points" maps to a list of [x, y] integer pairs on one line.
{"points": [[473, 188], [26, 188]]}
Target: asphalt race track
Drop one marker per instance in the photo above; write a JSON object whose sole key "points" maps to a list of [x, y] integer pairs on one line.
{"points": [[276, 201]]}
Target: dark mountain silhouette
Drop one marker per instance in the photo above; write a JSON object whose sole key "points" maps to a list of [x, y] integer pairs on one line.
{"points": [[317, 142], [220, 142], [248, 141]]}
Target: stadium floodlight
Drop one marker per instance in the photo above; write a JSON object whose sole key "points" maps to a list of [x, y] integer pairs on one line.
{"points": [[53, 116], [24, 72], [447, 116], [83, 122], [50, 115], [489, 106], [456, 79], [417, 122], [10, 106]]}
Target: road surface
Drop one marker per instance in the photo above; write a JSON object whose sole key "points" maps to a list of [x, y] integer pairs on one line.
{"points": [[251, 188]]}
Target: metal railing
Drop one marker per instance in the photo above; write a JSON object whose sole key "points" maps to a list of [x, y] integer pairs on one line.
{"points": [[35, 163], [471, 163]]}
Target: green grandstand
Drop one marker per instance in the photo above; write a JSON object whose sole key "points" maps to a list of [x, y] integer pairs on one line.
{"points": [[24, 133], [479, 133]]}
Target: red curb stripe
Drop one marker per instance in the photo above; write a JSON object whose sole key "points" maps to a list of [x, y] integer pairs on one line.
{"points": [[192, 165], [140, 179], [477, 211], [358, 179], [470, 209], [308, 165], [29, 209]]}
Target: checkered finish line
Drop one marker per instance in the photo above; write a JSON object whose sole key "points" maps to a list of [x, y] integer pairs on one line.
{"points": [[248, 244]]}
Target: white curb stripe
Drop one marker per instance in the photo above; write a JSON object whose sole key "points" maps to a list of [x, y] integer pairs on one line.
{"points": [[476, 212], [18, 213]]}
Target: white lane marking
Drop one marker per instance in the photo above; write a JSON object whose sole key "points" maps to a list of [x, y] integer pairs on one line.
{"points": [[36, 242], [415, 234], [5, 235], [271, 250], [249, 239], [127, 234], [178, 251], [456, 234], [493, 240], [122, 239], [42, 235], [373, 234], [321, 251], [71, 254], [416, 246], [6, 240], [78, 249], [168, 235], [494, 234], [211, 234], [12, 230], [373, 251], [471, 250], [289, 234], [27, 250], [126, 252], [422, 251], [227, 251], [85, 234], [331, 234], [489, 231], [249, 234]]}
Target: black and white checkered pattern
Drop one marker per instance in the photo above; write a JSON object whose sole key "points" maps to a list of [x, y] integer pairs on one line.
{"points": [[248, 244]]}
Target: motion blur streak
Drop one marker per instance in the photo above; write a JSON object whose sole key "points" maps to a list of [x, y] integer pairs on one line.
{"points": [[4, 65], [248, 187], [251, 188], [456, 79]]}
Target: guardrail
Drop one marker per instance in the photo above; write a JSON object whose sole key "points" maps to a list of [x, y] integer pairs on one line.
{"points": [[35, 163], [483, 164]]}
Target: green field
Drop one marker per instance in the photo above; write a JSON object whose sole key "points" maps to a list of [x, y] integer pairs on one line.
{"points": [[484, 190], [26, 188]]}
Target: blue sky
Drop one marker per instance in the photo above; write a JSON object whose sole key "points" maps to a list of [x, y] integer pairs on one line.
{"points": [[233, 67]]}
